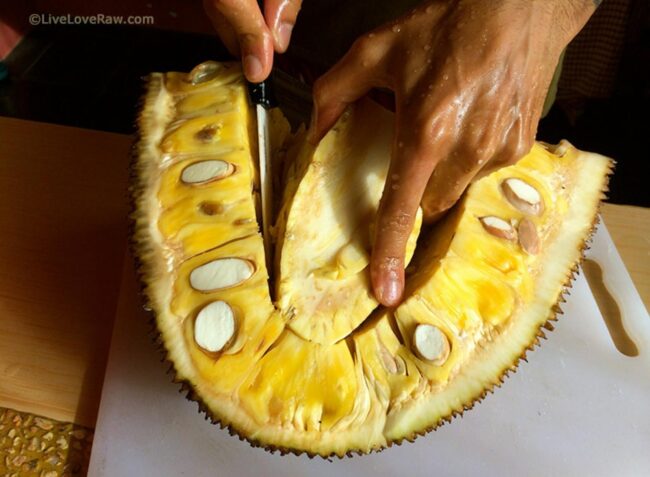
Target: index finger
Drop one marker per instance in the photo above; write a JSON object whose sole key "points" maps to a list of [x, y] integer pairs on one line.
{"points": [[253, 35], [415, 155]]}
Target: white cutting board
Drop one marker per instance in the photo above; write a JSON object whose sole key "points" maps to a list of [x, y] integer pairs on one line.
{"points": [[578, 407]]}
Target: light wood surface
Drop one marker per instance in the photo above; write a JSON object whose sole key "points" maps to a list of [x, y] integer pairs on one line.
{"points": [[630, 230], [62, 240], [63, 214]]}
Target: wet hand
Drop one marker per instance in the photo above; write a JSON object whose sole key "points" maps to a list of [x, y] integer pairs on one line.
{"points": [[470, 78]]}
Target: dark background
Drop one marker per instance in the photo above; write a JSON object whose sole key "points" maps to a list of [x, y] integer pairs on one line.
{"points": [[90, 77]]}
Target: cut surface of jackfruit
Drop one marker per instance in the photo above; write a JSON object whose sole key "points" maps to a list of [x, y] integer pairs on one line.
{"points": [[320, 367], [323, 281]]}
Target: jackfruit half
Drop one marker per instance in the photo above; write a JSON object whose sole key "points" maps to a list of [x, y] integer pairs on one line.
{"points": [[311, 363]]}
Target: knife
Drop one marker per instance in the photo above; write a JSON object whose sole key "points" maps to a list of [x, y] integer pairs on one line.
{"points": [[262, 98]]}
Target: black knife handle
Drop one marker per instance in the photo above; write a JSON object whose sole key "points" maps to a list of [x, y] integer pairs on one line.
{"points": [[262, 94]]}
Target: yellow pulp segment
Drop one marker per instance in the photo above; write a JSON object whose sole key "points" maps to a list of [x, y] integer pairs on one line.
{"points": [[304, 385]]}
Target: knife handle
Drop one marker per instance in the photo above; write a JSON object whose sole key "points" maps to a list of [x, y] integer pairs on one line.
{"points": [[262, 94]]}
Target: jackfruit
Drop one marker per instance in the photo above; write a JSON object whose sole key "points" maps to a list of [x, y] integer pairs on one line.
{"points": [[308, 361]]}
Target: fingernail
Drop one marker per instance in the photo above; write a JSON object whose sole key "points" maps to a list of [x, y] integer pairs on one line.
{"points": [[389, 292], [252, 67], [283, 35]]}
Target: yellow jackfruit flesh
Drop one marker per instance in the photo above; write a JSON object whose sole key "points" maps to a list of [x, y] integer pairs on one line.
{"points": [[309, 362]]}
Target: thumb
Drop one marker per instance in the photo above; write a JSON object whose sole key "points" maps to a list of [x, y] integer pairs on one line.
{"points": [[351, 78], [281, 17]]}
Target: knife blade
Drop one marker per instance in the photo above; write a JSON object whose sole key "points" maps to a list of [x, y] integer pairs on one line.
{"points": [[262, 98]]}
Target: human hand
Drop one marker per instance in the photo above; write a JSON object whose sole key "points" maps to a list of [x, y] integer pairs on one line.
{"points": [[254, 36], [470, 78]]}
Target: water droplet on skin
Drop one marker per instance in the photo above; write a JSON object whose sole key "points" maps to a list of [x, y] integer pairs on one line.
{"points": [[395, 186], [400, 144], [445, 77], [371, 35], [427, 47], [481, 161], [396, 29], [394, 177], [429, 9], [365, 63]]}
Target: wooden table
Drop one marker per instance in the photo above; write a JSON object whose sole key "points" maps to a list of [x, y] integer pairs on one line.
{"points": [[63, 214], [63, 209]]}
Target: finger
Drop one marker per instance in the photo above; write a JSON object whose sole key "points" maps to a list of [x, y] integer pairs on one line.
{"points": [[414, 157], [449, 180], [253, 36], [281, 17], [452, 176], [517, 143], [352, 77], [222, 27]]}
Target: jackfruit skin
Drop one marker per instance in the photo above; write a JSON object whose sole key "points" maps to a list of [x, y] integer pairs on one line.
{"points": [[393, 429]]}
